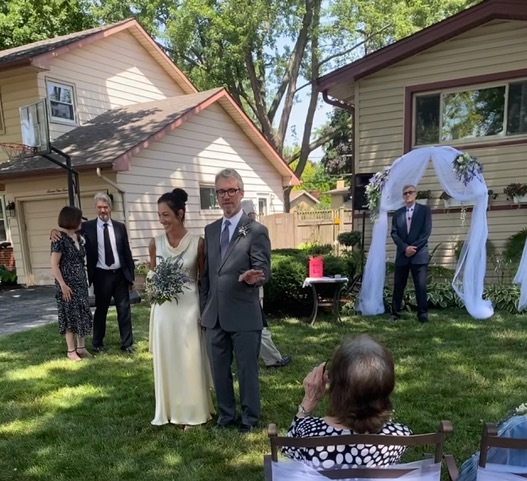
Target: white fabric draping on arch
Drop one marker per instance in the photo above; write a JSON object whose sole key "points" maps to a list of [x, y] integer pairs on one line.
{"points": [[470, 270], [521, 279]]}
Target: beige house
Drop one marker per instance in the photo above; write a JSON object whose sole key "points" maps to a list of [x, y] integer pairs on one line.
{"points": [[340, 195], [134, 126], [302, 200], [461, 82]]}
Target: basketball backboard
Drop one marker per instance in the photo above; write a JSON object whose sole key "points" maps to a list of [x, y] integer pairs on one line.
{"points": [[35, 126]]}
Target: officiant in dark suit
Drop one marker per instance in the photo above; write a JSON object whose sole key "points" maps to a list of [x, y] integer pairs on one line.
{"points": [[237, 263], [411, 228], [110, 270]]}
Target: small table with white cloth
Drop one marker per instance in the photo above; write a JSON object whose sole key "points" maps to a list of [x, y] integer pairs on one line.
{"points": [[337, 283]]}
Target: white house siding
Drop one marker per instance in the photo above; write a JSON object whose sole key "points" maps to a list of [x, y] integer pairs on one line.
{"points": [[38, 202], [380, 100], [17, 89], [110, 73], [188, 157]]}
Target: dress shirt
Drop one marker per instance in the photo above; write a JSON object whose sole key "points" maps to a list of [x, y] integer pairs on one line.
{"points": [[234, 220], [410, 213], [101, 264]]}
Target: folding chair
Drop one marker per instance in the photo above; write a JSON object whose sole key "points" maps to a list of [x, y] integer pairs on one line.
{"points": [[429, 469], [507, 471]]}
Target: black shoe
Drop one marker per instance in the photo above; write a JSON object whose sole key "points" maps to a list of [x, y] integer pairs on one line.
{"points": [[245, 428], [423, 320], [230, 425], [98, 349], [393, 318], [128, 350], [281, 363]]}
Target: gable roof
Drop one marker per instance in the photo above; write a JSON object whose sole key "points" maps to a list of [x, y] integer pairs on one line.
{"points": [[114, 137], [418, 42], [295, 194], [39, 54]]}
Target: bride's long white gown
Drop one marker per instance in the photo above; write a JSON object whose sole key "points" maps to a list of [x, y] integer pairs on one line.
{"points": [[181, 368]]}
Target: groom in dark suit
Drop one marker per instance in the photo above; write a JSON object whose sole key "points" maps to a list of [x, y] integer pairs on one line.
{"points": [[110, 270], [411, 228], [237, 263]]}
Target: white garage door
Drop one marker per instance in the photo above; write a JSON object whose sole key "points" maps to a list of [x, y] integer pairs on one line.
{"points": [[41, 216]]}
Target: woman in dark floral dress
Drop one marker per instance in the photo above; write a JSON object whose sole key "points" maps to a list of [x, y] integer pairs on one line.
{"points": [[67, 265]]}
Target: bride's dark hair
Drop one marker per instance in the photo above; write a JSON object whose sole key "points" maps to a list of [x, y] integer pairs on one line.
{"points": [[176, 200]]}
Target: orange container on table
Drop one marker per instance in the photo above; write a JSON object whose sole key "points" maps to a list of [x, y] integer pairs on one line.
{"points": [[316, 266]]}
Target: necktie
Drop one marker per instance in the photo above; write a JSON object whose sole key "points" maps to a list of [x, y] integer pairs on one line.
{"points": [[408, 220], [108, 252], [224, 240]]}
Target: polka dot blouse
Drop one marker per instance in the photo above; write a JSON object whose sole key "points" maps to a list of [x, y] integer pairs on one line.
{"points": [[344, 456]]}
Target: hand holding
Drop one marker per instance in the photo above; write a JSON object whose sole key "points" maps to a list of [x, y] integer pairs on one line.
{"points": [[54, 235], [252, 276], [314, 387], [66, 292]]}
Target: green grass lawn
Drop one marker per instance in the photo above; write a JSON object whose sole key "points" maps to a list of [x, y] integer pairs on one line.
{"points": [[91, 420]]}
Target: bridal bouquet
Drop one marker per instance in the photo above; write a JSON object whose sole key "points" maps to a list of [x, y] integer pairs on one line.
{"points": [[167, 281]]}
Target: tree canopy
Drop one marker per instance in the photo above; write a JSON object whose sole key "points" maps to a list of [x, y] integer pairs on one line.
{"points": [[267, 54]]}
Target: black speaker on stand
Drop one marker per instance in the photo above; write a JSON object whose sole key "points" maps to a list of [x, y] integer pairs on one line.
{"points": [[360, 201]]}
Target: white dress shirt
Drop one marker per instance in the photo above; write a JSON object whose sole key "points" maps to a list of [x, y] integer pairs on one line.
{"points": [[101, 264]]}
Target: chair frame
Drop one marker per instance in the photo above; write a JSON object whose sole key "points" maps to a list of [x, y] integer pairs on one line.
{"points": [[437, 439], [490, 439]]}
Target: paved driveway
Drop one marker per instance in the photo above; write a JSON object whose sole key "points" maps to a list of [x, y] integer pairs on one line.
{"points": [[24, 308]]}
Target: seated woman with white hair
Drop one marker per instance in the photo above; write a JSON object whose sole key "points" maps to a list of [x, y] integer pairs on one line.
{"points": [[361, 379]]}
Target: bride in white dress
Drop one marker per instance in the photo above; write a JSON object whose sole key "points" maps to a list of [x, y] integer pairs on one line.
{"points": [[181, 368]]}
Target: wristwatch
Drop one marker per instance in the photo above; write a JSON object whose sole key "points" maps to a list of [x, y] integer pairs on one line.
{"points": [[302, 411]]}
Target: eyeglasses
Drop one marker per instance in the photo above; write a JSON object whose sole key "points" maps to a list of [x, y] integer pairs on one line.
{"points": [[230, 192], [409, 192]]}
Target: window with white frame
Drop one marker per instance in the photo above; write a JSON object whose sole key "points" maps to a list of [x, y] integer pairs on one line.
{"points": [[3, 219], [207, 197], [61, 98], [262, 205], [482, 113]]}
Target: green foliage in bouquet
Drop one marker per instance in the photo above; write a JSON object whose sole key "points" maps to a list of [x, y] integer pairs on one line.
{"points": [[168, 281]]}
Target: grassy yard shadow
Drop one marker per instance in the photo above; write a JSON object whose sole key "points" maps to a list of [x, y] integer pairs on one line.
{"points": [[91, 420]]}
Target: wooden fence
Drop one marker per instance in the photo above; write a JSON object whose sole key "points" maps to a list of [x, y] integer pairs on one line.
{"points": [[307, 227]]}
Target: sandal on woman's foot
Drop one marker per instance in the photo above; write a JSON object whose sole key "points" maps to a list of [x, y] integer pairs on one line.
{"points": [[73, 356], [190, 427], [83, 352]]}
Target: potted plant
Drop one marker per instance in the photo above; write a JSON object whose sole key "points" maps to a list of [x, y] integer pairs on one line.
{"points": [[141, 270], [422, 196], [516, 192], [447, 199]]}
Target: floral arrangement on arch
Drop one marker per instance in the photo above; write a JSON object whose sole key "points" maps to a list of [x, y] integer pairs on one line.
{"points": [[167, 281], [466, 168], [374, 192]]}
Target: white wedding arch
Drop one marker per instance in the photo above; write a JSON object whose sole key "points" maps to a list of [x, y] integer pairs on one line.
{"points": [[470, 270], [521, 279]]}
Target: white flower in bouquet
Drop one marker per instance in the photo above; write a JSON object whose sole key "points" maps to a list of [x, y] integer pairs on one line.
{"points": [[168, 281]]}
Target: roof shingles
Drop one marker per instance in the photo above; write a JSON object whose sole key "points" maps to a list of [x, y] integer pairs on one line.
{"points": [[112, 134]]}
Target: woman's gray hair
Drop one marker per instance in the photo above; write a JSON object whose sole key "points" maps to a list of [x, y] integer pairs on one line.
{"points": [[230, 174], [104, 197]]}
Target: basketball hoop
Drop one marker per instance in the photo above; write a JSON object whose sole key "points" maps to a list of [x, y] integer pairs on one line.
{"points": [[18, 151]]}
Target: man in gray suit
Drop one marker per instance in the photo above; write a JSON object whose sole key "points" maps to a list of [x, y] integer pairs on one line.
{"points": [[237, 263]]}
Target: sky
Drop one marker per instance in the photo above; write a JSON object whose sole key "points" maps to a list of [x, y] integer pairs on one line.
{"points": [[298, 116]]}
